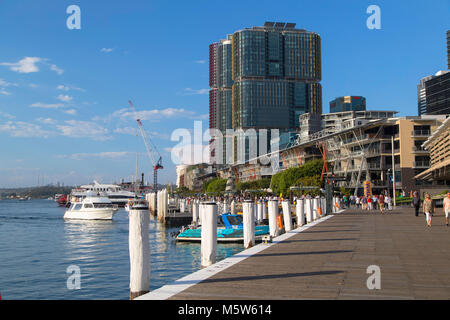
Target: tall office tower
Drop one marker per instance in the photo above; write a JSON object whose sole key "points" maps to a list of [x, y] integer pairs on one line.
{"points": [[276, 73], [348, 103], [263, 78], [220, 82], [422, 96], [448, 49], [438, 93]]}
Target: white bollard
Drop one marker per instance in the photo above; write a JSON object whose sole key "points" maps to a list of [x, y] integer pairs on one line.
{"points": [[273, 213], [300, 212], [208, 212], [233, 207], [309, 209], [248, 215], [259, 210], [226, 208], [139, 247], [265, 211], [314, 210], [195, 212], [287, 215]]}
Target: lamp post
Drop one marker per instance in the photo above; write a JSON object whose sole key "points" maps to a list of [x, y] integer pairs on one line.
{"points": [[393, 170]]}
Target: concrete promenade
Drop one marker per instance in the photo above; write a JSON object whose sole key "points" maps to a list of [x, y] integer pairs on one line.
{"points": [[329, 260]]}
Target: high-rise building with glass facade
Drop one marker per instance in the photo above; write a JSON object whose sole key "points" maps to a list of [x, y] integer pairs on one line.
{"points": [[348, 103], [275, 77]]}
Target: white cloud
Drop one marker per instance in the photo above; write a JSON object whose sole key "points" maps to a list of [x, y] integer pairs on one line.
{"points": [[26, 65], [107, 50], [4, 84], [71, 111], [100, 155], [47, 105], [63, 87], [55, 68], [24, 130], [64, 98], [7, 115], [190, 91], [67, 88], [127, 130], [46, 120], [200, 61], [84, 129]]}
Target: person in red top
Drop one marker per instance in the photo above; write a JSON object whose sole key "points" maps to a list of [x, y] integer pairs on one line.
{"points": [[369, 202], [381, 203]]}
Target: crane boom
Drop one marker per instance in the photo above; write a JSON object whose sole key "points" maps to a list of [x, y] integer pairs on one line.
{"points": [[156, 164]]}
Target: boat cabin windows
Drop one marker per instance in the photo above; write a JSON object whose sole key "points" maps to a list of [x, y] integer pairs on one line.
{"points": [[103, 205], [88, 205], [234, 220], [77, 206]]}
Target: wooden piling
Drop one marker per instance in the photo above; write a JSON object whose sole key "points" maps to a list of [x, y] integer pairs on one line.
{"points": [[249, 223], [139, 248], [208, 213]]}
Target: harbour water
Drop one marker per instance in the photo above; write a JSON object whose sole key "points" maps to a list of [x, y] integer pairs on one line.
{"points": [[37, 246]]}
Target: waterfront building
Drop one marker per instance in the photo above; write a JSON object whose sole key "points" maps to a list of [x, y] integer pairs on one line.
{"points": [[364, 152], [438, 93], [348, 103], [422, 96], [275, 77], [438, 144], [448, 49]]}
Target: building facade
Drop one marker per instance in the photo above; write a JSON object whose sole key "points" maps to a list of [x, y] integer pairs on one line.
{"points": [[438, 93], [263, 78], [348, 103]]}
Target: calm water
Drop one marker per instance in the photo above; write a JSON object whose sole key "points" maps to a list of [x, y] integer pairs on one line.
{"points": [[37, 245]]}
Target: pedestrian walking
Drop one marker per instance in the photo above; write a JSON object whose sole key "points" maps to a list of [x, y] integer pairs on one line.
{"points": [[369, 202], [416, 202], [446, 208], [428, 208], [381, 203]]}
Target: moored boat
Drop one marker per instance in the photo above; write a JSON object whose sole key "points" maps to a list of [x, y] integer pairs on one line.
{"points": [[92, 208], [229, 229]]}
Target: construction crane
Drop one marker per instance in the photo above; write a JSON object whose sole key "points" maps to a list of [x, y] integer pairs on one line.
{"points": [[157, 165]]}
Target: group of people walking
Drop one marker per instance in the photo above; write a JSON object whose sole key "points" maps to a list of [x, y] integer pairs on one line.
{"points": [[372, 202], [429, 208]]}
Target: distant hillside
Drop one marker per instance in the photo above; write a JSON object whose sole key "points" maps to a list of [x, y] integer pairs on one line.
{"points": [[35, 192]]}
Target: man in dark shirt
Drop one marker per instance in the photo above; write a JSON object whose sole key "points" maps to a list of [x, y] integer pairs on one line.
{"points": [[416, 202]]}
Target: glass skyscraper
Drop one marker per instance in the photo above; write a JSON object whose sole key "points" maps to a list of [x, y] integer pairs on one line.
{"points": [[348, 103], [267, 77]]}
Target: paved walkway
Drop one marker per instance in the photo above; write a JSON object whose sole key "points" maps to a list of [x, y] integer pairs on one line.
{"points": [[330, 259]]}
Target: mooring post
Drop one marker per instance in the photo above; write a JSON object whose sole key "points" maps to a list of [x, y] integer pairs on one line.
{"points": [[300, 211], [248, 214], [286, 204], [314, 210], [273, 213], [195, 209], [265, 211], [309, 208], [139, 252], [208, 212], [233, 207], [259, 211]]}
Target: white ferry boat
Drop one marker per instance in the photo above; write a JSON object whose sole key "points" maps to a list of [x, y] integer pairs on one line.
{"points": [[114, 192], [92, 208]]}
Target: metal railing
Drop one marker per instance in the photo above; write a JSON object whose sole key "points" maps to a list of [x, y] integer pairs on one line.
{"points": [[420, 133]]}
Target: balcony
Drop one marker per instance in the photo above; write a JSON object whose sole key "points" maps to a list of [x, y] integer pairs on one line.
{"points": [[420, 150], [421, 164], [420, 133]]}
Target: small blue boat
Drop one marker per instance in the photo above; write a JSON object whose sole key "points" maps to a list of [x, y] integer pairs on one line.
{"points": [[229, 229]]}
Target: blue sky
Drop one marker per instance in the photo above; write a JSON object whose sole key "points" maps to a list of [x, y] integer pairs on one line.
{"points": [[64, 94]]}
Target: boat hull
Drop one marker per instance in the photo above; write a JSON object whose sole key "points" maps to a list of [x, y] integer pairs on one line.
{"points": [[106, 214], [223, 234]]}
